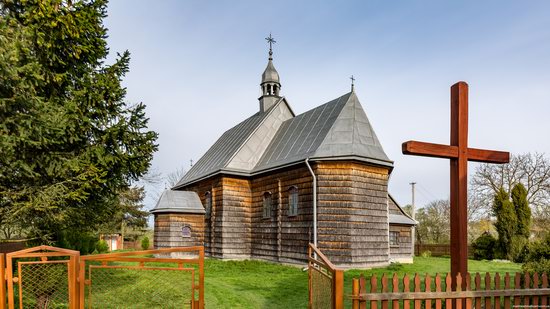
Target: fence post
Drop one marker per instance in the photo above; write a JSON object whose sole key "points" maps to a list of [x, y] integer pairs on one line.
{"points": [[3, 285], [201, 278], [81, 282], [338, 286], [355, 293]]}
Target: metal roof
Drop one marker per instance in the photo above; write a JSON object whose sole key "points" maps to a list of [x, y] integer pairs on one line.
{"points": [[179, 202], [401, 219], [339, 128], [226, 147]]}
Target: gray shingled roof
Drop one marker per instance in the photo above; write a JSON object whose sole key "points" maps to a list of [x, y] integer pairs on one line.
{"points": [[219, 155], [339, 128], [179, 202], [399, 218]]}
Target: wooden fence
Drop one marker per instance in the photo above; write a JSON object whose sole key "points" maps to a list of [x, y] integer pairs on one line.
{"points": [[521, 290], [50, 277], [437, 249], [326, 282]]}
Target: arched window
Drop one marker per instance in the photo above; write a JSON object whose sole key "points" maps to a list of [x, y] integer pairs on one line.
{"points": [[207, 204], [185, 231], [267, 205], [293, 201]]}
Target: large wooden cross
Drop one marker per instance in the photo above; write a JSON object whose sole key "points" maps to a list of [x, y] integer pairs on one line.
{"points": [[459, 155]]}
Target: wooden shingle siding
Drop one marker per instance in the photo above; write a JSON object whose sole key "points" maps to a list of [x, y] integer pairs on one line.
{"points": [[236, 217], [168, 230], [282, 237], [403, 251], [212, 237], [352, 213]]}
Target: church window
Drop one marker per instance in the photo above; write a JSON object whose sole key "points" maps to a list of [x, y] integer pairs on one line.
{"points": [[394, 238], [267, 205], [293, 201], [186, 231], [207, 204]]}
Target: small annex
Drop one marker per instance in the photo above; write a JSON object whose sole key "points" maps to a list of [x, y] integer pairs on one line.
{"points": [[253, 194]]}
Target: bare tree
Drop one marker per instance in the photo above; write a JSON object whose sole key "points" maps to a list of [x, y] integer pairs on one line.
{"points": [[174, 177], [532, 170], [433, 222]]}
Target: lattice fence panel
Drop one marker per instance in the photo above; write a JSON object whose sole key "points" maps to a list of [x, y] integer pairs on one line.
{"points": [[43, 285], [139, 287], [321, 289]]}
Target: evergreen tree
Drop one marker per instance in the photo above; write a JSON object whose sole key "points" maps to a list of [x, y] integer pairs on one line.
{"points": [[523, 212], [68, 140], [506, 222]]}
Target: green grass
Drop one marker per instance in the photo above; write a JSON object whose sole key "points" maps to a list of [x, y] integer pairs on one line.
{"points": [[244, 284], [255, 284]]}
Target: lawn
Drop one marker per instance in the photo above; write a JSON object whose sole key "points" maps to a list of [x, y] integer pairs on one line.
{"points": [[235, 284], [255, 284]]}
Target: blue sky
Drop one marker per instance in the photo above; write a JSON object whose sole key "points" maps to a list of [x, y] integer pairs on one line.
{"points": [[197, 66]]}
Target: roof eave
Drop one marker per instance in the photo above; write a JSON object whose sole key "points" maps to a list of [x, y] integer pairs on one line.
{"points": [[178, 210]]}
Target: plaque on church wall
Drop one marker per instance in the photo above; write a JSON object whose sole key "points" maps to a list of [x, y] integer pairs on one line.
{"points": [[186, 231]]}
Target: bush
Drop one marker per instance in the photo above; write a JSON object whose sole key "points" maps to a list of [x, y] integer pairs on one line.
{"points": [[539, 250], [102, 246], [145, 243], [484, 247], [84, 242], [540, 267], [426, 254]]}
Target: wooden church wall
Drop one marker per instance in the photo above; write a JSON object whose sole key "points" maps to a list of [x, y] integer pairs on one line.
{"points": [[169, 230], [213, 224], [352, 213], [282, 237], [235, 220], [402, 251]]}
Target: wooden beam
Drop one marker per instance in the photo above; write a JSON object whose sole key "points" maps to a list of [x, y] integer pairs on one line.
{"points": [[416, 148], [488, 156]]}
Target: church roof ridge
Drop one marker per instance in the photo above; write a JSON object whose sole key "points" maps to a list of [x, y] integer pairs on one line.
{"points": [[353, 135], [226, 147], [338, 129]]}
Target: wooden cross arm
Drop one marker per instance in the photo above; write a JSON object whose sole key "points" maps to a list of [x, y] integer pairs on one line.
{"points": [[451, 152]]}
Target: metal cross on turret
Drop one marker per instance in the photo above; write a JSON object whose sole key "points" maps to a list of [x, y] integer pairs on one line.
{"points": [[271, 41], [352, 82]]}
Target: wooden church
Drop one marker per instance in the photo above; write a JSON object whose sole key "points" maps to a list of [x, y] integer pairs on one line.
{"points": [[278, 181]]}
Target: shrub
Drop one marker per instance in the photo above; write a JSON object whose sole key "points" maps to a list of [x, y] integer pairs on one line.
{"points": [[84, 242], [539, 250], [145, 243], [102, 246], [426, 254], [541, 266], [395, 266], [484, 247]]}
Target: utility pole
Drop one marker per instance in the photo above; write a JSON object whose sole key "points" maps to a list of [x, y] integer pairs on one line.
{"points": [[413, 210]]}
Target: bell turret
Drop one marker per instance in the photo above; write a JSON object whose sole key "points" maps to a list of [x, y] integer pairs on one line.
{"points": [[270, 85]]}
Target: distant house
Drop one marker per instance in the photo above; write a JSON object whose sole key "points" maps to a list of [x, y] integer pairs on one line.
{"points": [[114, 241], [252, 194]]}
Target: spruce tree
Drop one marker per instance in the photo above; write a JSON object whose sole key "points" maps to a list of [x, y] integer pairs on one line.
{"points": [[68, 140]]}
